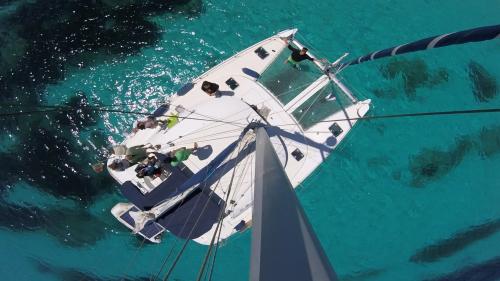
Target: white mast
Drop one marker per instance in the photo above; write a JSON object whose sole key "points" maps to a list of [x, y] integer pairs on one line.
{"points": [[284, 245]]}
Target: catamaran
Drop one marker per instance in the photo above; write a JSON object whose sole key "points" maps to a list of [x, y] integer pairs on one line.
{"points": [[213, 190], [264, 127], [306, 112]]}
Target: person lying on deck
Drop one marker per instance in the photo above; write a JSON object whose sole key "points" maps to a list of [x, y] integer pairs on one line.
{"points": [[149, 122], [179, 155], [119, 164], [209, 88], [134, 154]]}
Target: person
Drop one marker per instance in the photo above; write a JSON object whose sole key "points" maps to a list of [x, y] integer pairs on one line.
{"points": [[150, 122], [138, 153], [168, 121], [180, 155], [119, 164], [209, 88], [150, 168], [297, 55]]}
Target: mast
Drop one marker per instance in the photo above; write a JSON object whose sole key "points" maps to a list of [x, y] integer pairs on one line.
{"points": [[284, 245]]}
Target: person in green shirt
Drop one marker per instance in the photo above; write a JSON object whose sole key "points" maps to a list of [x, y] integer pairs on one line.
{"points": [[179, 155]]}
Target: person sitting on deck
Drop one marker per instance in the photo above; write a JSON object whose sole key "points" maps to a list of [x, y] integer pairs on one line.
{"points": [[151, 168], [210, 88], [168, 121], [179, 155]]}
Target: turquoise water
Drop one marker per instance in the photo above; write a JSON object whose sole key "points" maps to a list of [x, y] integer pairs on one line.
{"points": [[393, 188]]}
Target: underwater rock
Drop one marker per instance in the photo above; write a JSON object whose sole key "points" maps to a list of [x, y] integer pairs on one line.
{"points": [[74, 227], [57, 34], [50, 36], [79, 114], [396, 175], [438, 77], [11, 49], [378, 161], [456, 243], [52, 161], [486, 271], [489, 141], [433, 164], [362, 275], [70, 274], [484, 85], [415, 74], [388, 93]]}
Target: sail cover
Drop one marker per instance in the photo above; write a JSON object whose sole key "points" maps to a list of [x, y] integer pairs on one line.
{"points": [[472, 35]]}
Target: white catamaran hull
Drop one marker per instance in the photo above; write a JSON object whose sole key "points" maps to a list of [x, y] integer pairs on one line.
{"points": [[214, 123]]}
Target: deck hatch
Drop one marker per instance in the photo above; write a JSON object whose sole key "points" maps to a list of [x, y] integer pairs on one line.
{"points": [[232, 83], [261, 52], [297, 154], [335, 129]]}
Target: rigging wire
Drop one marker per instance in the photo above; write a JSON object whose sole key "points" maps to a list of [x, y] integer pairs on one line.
{"points": [[220, 229], [100, 109], [221, 216], [416, 114], [134, 257], [390, 116], [20, 113], [189, 217], [148, 114], [185, 223], [215, 255], [242, 177], [173, 246], [207, 140], [187, 240], [177, 258], [196, 139], [175, 241], [248, 109]]}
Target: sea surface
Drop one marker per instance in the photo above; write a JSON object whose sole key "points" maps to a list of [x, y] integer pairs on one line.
{"points": [[400, 199]]}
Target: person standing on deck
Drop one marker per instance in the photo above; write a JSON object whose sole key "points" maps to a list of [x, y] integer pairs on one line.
{"points": [[297, 55]]}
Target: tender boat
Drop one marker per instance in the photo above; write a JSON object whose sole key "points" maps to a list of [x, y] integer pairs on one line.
{"points": [[307, 112]]}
